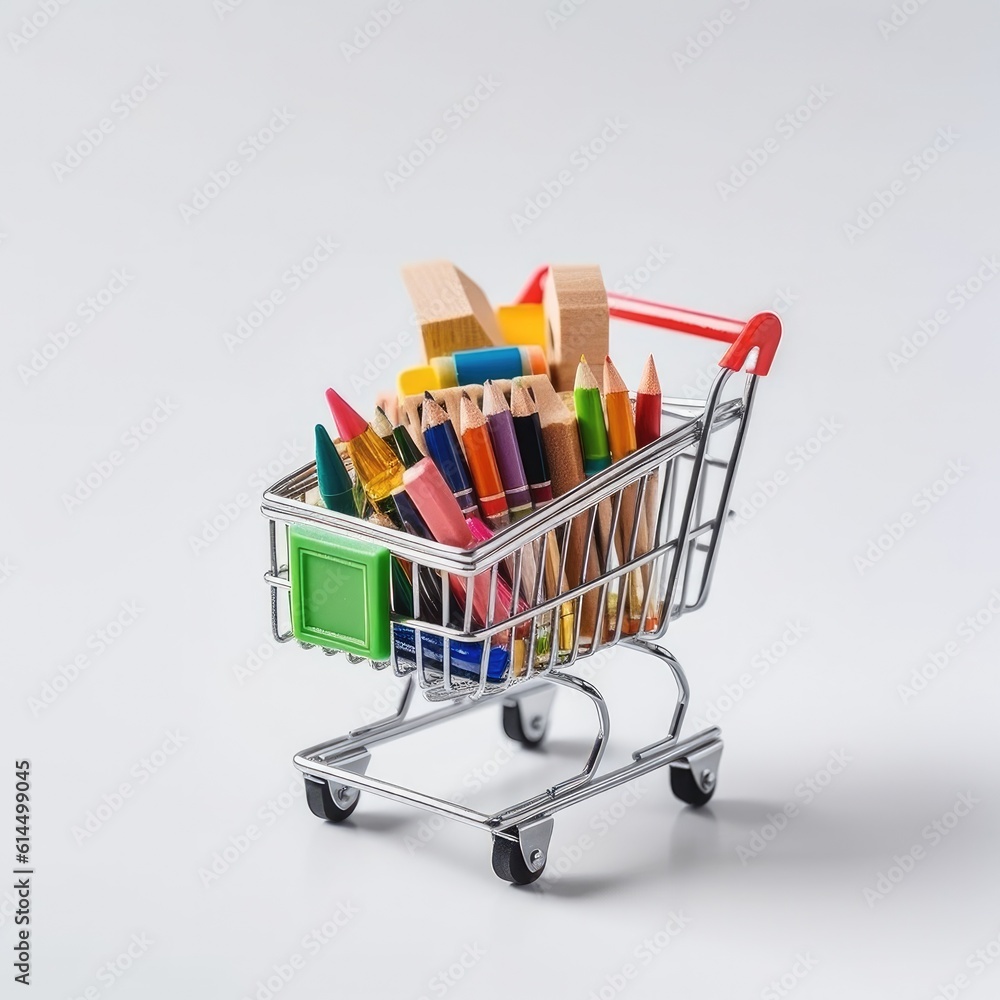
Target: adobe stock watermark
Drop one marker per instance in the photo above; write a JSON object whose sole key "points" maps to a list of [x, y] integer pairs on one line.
{"points": [[255, 657], [931, 836], [921, 504], [778, 988], [913, 169], [94, 646], [936, 661], [314, 942], [635, 279], [454, 118], [644, 953], [563, 860], [228, 512], [110, 973], [121, 109], [796, 459], [711, 30], [562, 12], [475, 780], [761, 663], [445, 980], [7, 569], [977, 962], [223, 8], [899, 17], [580, 161], [379, 19], [787, 128], [292, 279], [129, 442], [957, 298], [203, 196], [223, 859], [383, 360], [112, 803], [88, 310], [30, 26], [804, 794]]}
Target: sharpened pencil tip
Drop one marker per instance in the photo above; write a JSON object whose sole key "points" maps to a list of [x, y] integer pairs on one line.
{"points": [[613, 382]]}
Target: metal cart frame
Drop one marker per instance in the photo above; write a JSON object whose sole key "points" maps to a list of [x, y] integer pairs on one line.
{"points": [[677, 567]]}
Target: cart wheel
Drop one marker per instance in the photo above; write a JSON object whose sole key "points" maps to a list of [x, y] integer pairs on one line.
{"points": [[684, 786], [326, 804], [509, 863], [527, 732]]}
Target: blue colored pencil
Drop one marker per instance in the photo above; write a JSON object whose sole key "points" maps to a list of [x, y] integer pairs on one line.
{"points": [[444, 449]]}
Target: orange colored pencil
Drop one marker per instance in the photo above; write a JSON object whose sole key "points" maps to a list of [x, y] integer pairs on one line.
{"points": [[483, 464], [622, 442]]}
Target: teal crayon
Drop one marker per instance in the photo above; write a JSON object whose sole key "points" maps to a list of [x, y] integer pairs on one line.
{"points": [[335, 484], [339, 493]]}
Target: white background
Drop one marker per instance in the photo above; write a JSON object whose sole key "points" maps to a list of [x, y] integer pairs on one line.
{"points": [[848, 301]]}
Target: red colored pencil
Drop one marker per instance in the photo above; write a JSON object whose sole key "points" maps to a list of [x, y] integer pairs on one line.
{"points": [[648, 405]]}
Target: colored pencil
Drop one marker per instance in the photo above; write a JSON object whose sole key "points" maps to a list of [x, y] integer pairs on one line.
{"points": [[648, 406], [528, 428], [483, 464], [382, 426], [562, 449], [443, 447], [648, 421], [590, 420], [335, 485], [406, 447], [621, 422], [375, 464], [504, 439], [622, 442]]}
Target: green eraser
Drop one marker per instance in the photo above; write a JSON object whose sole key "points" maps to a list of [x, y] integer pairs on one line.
{"points": [[340, 592]]}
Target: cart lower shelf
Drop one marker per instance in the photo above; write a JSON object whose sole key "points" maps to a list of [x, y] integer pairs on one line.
{"points": [[336, 771]]}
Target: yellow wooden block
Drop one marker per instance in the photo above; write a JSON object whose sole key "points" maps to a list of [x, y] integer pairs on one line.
{"points": [[411, 381], [524, 325]]}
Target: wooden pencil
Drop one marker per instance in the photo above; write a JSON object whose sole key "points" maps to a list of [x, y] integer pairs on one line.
{"points": [[648, 421], [475, 437], [648, 405], [590, 417], [565, 456], [528, 428], [501, 424], [382, 426], [622, 443], [444, 449]]}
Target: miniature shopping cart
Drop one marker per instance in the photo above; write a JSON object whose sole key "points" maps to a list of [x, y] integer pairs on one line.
{"points": [[679, 486]]}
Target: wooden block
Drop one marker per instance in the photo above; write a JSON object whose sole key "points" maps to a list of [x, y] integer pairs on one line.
{"points": [[452, 311], [576, 310]]}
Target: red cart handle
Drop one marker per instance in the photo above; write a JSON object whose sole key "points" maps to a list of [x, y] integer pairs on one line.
{"points": [[762, 331]]}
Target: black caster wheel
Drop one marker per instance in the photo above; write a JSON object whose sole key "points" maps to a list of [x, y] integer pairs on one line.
{"points": [[509, 863], [527, 732], [324, 804], [684, 786]]}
